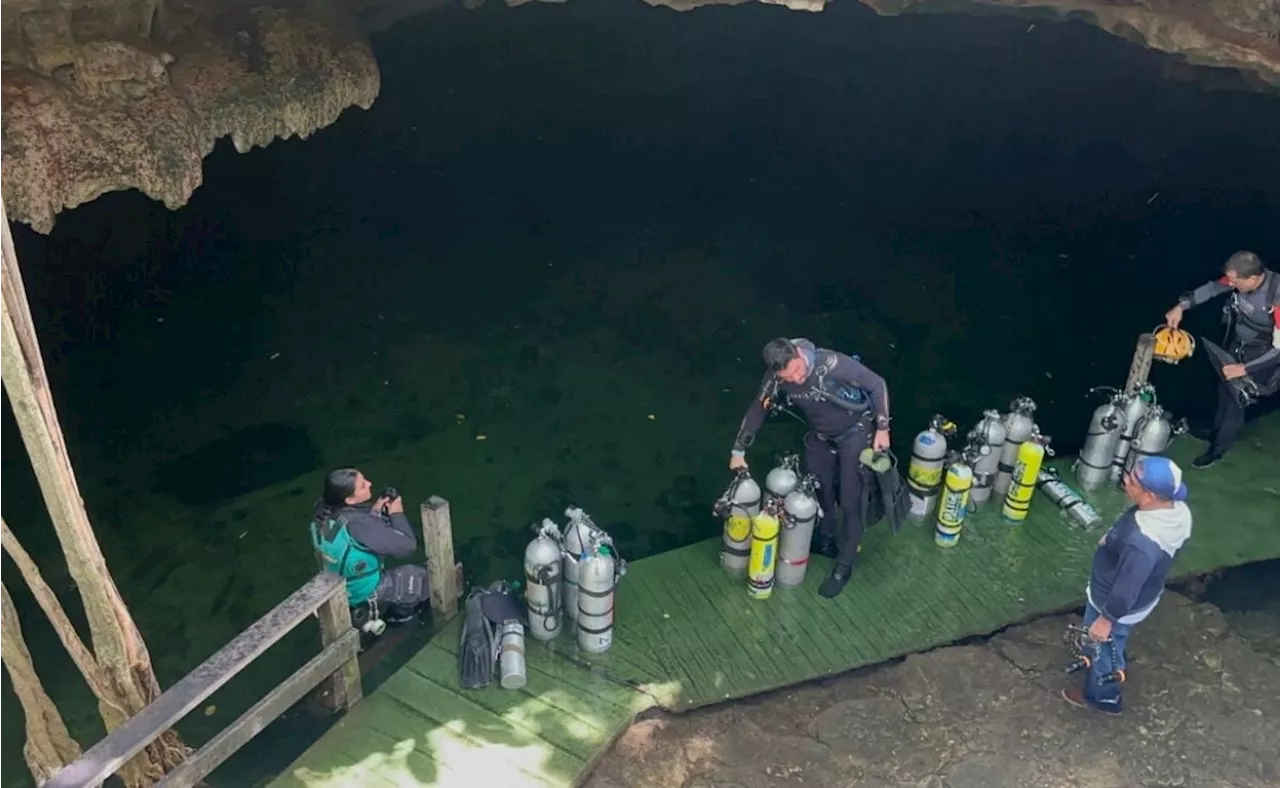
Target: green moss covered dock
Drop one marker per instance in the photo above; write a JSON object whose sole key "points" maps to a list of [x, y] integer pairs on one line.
{"points": [[689, 636]]}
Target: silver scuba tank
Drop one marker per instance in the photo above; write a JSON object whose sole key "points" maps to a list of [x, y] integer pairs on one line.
{"points": [[1093, 466], [1153, 435], [1071, 504], [1018, 425], [511, 665], [988, 433], [739, 503], [784, 477], [598, 573], [578, 534], [800, 512], [544, 581], [924, 473], [1136, 404]]}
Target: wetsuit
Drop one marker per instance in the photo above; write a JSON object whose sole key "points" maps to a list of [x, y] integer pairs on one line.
{"points": [[1255, 342], [403, 588], [843, 402]]}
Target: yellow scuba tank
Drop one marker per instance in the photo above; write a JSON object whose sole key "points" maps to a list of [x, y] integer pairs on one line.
{"points": [[764, 551], [955, 502], [1026, 472]]}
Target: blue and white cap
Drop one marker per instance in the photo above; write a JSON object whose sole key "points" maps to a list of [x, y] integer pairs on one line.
{"points": [[1162, 477]]}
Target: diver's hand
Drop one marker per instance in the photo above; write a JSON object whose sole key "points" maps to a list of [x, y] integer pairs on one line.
{"points": [[395, 506], [1173, 317], [379, 503], [881, 440], [1233, 371], [736, 462]]}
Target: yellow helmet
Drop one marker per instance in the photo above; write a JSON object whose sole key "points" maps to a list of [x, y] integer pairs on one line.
{"points": [[1172, 344]]}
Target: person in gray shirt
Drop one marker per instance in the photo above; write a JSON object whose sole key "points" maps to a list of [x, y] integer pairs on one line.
{"points": [[1253, 313], [353, 533]]}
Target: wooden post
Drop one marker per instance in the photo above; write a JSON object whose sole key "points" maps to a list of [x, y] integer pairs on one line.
{"points": [[343, 689], [437, 537], [1140, 367]]}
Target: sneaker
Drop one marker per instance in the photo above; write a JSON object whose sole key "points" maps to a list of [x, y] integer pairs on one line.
{"points": [[1075, 696], [1208, 459], [835, 582]]}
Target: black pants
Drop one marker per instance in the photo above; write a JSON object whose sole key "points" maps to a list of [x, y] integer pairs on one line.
{"points": [[835, 463], [1230, 415], [402, 590]]}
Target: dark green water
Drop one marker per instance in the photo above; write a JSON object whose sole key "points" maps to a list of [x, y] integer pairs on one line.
{"points": [[539, 270]]}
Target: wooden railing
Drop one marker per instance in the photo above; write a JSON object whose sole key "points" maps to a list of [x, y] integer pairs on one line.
{"points": [[326, 596]]}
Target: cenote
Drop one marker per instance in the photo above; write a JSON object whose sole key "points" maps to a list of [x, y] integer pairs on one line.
{"points": [[538, 272]]}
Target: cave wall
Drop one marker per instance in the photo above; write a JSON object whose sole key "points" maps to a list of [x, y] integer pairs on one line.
{"points": [[106, 95]]}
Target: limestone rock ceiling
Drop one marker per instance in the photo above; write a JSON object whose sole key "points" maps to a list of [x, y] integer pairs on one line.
{"points": [[107, 95]]}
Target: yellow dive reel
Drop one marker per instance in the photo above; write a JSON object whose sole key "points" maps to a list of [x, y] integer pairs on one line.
{"points": [[1172, 344]]}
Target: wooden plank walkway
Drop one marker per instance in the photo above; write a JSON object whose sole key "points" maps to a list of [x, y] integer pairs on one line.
{"points": [[691, 636]]}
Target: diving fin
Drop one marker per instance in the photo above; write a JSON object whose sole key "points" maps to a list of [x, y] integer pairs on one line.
{"points": [[476, 655], [1244, 389], [883, 492]]}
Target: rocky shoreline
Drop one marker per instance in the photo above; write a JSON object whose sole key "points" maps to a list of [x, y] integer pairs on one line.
{"points": [[1203, 709]]}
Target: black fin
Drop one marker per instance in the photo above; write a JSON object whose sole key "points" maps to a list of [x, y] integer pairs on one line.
{"points": [[475, 648]]}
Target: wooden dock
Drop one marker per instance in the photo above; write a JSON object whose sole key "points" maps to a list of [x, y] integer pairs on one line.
{"points": [[688, 636]]}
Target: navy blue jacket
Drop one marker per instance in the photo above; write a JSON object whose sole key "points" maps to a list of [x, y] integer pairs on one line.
{"points": [[1133, 561]]}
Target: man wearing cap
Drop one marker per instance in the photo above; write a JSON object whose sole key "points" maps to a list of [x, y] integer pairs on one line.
{"points": [[1128, 575]]}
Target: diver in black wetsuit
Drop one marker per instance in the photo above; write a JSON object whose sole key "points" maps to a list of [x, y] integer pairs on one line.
{"points": [[846, 406], [1253, 314]]}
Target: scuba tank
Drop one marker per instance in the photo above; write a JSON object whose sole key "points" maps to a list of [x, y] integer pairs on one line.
{"points": [[784, 477], [800, 512], [957, 486], [1018, 426], [578, 535], [1026, 471], [598, 573], [737, 506], [764, 550], [924, 473], [1093, 466], [511, 665], [1153, 435], [990, 433], [1071, 504], [1136, 404], [544, 581]]}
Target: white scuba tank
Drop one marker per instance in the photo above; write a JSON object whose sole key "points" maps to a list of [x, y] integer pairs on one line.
{"points": [[989, 433], [598, 572], [1018, 425], [739, 504], [800, 513], [1153, 435], [1135, 405], [579, 533], [784, 477], [1093, 466], [924, 473], [544, 581]]}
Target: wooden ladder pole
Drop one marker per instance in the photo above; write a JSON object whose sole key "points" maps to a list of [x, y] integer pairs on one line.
{"points": [[1140, 367], [446, 574]]}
